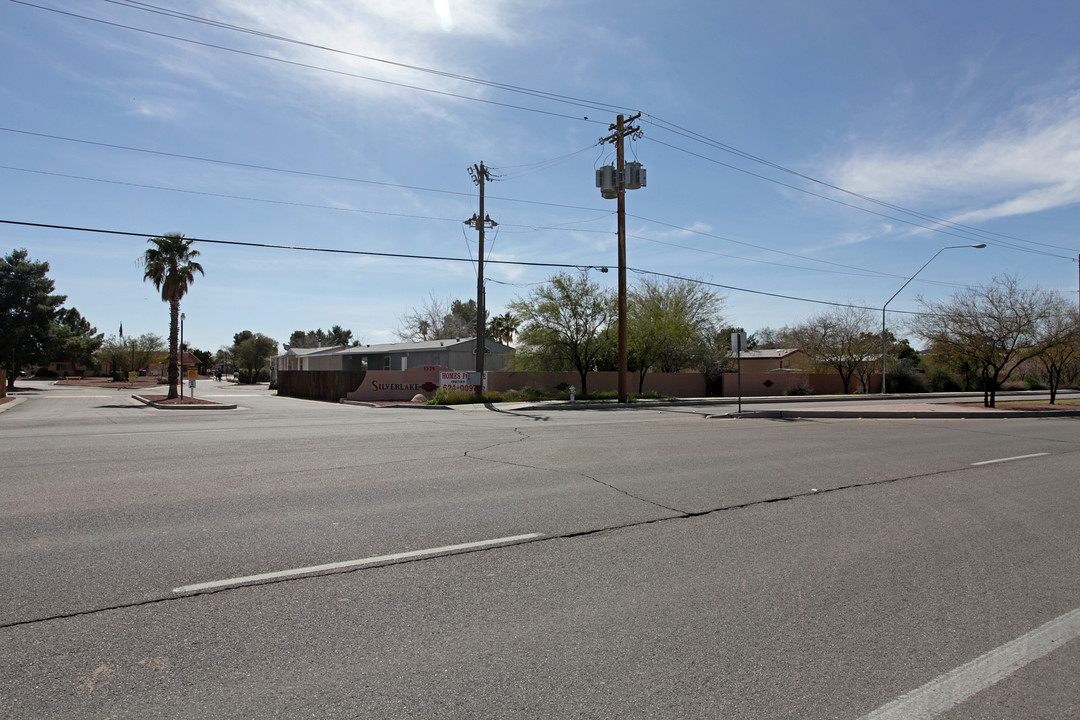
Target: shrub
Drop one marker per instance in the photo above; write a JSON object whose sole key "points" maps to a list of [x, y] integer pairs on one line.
{"points": [[1033, 383], [904, 379], [247, 377], [605, 395], [943, 381], [651, 395], [526, 394], [44, 372], [799, 390], [450, 396]]}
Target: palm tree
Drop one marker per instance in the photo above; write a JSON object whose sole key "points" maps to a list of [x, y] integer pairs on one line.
{"points": [[170, 265], [495, 328], [502, 327]]}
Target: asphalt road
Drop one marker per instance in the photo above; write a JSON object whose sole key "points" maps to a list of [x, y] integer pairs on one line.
{"points": [[646, 563]]}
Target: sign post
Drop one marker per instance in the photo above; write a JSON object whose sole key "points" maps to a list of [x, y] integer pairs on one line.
{"points": [[738, 344]]}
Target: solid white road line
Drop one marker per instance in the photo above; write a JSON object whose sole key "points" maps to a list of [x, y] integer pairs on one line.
{"points": [[1008, 459], [952, 688], [247, 579], [140, 433]]}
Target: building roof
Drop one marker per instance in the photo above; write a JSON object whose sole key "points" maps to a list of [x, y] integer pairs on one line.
{"points": [[408, 346], [775, 353], [303, 352], [386, 348]]}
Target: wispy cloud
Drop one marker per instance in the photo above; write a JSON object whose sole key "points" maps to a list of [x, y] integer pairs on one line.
{"points": [[427, 33], [845, 240], [1028, 162]]}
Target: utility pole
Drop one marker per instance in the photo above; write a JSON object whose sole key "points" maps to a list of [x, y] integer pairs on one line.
{"points": [[622, 128], [480, 221]]}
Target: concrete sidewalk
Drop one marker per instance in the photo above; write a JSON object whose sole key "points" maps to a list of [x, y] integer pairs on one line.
{"points": [[963, 406], [913, 411]]}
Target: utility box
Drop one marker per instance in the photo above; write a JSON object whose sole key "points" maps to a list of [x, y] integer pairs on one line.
{"points": [[633, 176], [605, 180]]}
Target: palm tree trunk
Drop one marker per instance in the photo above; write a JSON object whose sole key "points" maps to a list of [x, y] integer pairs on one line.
{"points": [[174, 343]]}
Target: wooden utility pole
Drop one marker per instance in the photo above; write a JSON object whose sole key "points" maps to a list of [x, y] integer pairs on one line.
{"points": [[622, 128], [480, 221]]}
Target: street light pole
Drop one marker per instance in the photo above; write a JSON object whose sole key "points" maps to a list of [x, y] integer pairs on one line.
{"points": [[978, 246], [182, 317]]}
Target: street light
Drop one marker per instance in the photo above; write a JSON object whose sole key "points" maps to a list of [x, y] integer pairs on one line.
{"points": [[183, 317], [978, 246]]}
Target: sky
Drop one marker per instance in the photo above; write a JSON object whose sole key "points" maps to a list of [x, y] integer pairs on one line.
{"points": [[800, 156]]}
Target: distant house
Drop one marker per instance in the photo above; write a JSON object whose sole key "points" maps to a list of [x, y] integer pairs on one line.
{"points": [[158, 367], [334, 372], [774, 359], [452, 354]]}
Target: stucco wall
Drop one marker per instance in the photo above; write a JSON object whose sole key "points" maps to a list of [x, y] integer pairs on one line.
{"points": [[777, 383], [397, 384], [674, 384]]}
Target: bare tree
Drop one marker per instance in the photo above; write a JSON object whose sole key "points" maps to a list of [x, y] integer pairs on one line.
{"points": [[995, 327], [438, 319], [842, 339], [1059, 341]]}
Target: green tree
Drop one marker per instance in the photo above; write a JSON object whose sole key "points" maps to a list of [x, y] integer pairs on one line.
{"points": [[993, 327], [123, 355], [251, 353], [27, 311], [205, 357], [74, 340], [338, 336], [170, 265], [564, 324], [672, 325], [310, 339]]}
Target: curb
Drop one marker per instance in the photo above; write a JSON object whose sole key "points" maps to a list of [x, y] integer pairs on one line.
{"points": [[200, 406], [404, 405], [898, 414], [14, 401]]}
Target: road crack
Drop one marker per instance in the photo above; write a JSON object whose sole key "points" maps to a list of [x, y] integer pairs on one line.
{"points": [[469, 454]]}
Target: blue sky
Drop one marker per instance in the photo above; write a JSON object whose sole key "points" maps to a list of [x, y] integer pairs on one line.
{"points": [[966, 112]]}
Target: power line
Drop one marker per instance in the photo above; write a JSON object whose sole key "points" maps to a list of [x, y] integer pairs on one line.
{"points": [[542, 94], [441, 258], [656, 121], [304, 173], [525, 228], [959, 227], [760, 247], [286, 171], [757, 292], [972, 234], [224, 196], [306, 66]]}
